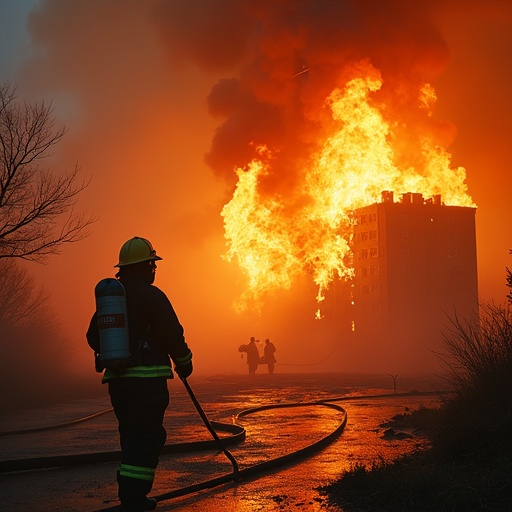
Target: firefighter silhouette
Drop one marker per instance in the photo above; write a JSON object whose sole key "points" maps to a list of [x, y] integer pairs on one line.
{"points": [[253, 355], [269, 358], [138, 389]]}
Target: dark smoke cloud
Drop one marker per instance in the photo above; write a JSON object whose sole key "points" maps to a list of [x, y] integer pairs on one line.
{"points": [[212, 35], [267, 43]]}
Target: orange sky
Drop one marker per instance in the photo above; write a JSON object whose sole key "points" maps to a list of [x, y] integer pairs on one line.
{"points": [[144, 92]]}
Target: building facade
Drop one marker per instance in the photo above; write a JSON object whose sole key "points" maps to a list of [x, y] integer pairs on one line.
{"points": [[415, 269]]}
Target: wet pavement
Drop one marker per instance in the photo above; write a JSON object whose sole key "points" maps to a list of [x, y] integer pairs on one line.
{"points": [[269, 434]]}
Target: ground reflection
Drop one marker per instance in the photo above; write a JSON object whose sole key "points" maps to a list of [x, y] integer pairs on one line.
{"points": [[270, 433]]}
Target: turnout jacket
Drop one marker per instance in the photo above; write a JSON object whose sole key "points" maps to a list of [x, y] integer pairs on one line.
{"points": [[155, 333]]}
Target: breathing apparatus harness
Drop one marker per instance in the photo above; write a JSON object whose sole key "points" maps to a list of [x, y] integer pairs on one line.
{"points": [[112, 319]]}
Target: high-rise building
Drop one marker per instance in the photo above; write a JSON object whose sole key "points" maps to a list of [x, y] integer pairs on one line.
{"points": [[415, 270]]}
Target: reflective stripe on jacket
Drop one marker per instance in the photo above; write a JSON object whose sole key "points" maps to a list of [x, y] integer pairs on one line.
{"points": [[139, 371]]}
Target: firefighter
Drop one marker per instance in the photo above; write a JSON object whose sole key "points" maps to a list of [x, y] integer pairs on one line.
{"points": [[253, 355], [269, 356], [139, 392]]}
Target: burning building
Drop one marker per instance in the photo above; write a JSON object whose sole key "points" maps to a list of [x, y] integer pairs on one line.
{"points": [[415, 269], [409, 265], [312, 149]]}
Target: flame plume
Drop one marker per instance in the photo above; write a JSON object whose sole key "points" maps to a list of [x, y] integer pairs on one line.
{"points": [[276, 238]]}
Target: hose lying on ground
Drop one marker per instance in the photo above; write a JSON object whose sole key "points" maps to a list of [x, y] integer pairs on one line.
{"points": [[262, 467], [238, 436], [54, 426], [56, 461]]}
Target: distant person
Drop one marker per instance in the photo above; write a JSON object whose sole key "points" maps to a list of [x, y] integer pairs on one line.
{"points": [[253, 355], [269, 357], [138, 390]]}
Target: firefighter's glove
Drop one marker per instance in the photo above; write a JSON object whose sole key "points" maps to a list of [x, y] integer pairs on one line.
{"points": [[184, 370]]}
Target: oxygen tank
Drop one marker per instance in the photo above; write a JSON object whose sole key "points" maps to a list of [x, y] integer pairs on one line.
{"points": [[112, 317]]}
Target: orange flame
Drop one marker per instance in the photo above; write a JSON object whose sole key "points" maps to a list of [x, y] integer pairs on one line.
{"points": [[276, 239]]}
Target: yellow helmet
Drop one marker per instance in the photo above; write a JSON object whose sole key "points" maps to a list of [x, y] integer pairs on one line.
{"points": [[136, 250]]}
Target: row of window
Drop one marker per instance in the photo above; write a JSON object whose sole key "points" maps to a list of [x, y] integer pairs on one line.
{"points": [[372, 252], [371, 270], [405, 252], [453, 237], [408, 269], [405, 217], [451, 219], [367, 289], [364, 236], [371, 217]]}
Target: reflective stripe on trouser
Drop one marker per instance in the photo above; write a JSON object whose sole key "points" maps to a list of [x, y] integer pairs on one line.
{"points": [[138, 472], [135, 483]]}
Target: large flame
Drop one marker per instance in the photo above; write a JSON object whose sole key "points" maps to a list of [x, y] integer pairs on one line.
{"points": [[276, 238]]}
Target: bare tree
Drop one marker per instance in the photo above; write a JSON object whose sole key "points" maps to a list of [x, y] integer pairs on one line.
{"points": [[36, 205]]}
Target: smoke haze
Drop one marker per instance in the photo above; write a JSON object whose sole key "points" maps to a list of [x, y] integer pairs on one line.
{"points": [[162, 100]]}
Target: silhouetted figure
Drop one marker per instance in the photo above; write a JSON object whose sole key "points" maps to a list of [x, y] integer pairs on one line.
{"points": [[138, 391], [253, 355], [269, 357]]}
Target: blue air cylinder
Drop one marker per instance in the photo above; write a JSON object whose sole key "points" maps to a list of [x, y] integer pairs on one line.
{"points": [[112, 317]]}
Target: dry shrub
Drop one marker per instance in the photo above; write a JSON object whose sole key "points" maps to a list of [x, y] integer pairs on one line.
{"points": [[478, 364]]}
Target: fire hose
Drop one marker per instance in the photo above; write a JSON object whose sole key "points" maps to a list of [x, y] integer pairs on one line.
{"points": [[236, 475]]}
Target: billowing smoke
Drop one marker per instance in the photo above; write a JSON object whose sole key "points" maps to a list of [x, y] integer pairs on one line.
{"points": [[286, 57], [164, 99]]}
